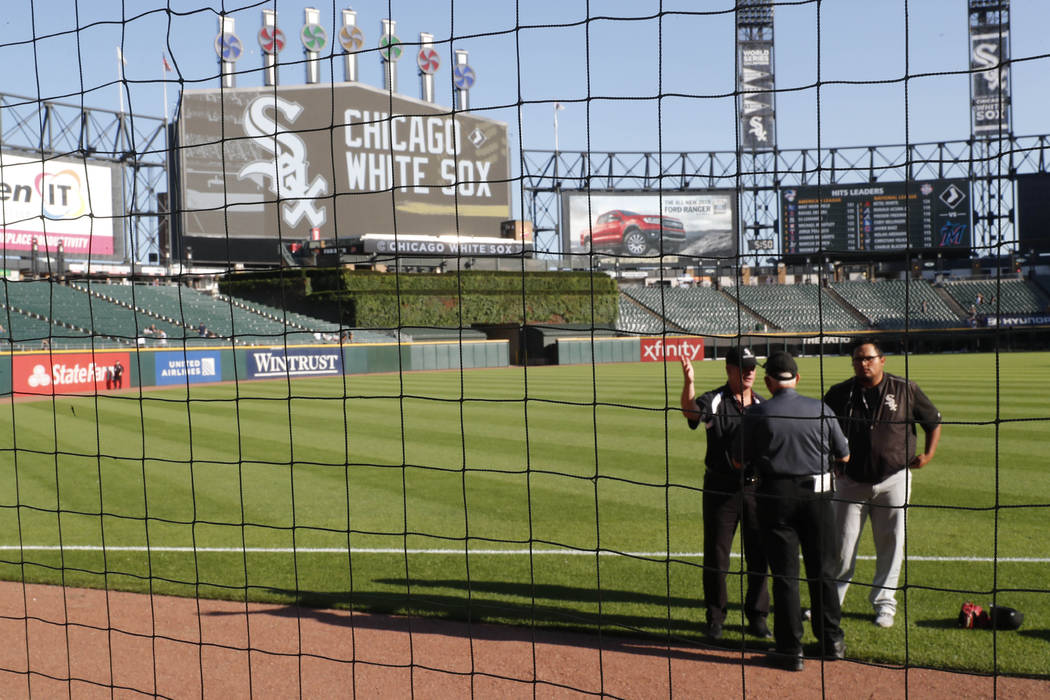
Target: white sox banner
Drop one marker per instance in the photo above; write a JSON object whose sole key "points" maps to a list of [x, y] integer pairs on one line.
{"points": [[755, 85], [990, 79]]}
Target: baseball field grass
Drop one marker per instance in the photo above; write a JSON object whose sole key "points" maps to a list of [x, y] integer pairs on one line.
{"points": [[557, 496]]}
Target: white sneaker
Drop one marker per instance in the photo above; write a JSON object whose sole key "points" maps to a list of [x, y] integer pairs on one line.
{"points": [[884, 619]]}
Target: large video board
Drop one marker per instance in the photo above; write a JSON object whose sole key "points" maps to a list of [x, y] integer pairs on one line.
{"points": [[876, 218], [1033, 212], [263, 163], [698, 223], [60, 201]]}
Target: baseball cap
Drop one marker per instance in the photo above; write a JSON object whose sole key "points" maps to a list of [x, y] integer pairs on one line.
{"points": [[741, 357], [781, 366]]}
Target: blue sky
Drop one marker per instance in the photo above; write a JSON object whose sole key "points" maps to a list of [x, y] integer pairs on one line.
{"points": [[634, 76]]}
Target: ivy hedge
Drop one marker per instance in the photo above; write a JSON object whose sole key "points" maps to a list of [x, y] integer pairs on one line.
{"points": [[368, 299]]}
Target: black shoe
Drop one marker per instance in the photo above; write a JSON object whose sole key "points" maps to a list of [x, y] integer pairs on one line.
{"points": [[714, 631], [758, 628], [835, 651], [786, 661]]}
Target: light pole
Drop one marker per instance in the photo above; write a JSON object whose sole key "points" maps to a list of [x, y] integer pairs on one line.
{"points": [[558, 106]]}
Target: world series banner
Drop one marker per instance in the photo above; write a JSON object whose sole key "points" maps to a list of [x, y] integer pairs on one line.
{"points": [[989, 79], [755, 83]]}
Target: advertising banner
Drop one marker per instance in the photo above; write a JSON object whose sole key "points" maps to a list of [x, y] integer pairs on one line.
{"points": [[271, 363], [989, 79], [69, 373], [444, 246], [59, 201], [264, 164], [658, 349], [1019, 320], [192, 366], [755, 83], [701, 223]]}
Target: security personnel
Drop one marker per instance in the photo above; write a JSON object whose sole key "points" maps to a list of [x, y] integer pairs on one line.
{"points": [[790, 440], [729, 496]]}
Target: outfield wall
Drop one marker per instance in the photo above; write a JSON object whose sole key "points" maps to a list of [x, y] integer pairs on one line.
{"points": [[84, 371]]}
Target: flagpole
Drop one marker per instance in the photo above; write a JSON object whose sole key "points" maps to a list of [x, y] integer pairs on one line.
{"points": [[164, 76], [120, 77]]}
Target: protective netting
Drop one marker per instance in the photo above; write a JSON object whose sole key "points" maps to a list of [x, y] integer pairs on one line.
{"points": [[325, 381]]}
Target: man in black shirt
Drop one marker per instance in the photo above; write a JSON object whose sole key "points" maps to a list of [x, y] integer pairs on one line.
{"points": [[729, 497], [790, 441], [878, 412]]}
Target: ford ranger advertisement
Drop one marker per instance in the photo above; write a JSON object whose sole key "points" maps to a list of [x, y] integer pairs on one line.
{"points": [[647, 225]]}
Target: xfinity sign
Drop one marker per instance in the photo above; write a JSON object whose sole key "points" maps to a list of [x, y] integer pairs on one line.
{"points": [[660, 349], [272, 363]]}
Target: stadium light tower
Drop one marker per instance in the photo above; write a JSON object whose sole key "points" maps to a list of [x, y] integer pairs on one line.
{"points": [[756, 131]]}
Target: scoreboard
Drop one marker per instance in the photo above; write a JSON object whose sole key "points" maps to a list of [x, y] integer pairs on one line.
{"points": [[885, 217]]}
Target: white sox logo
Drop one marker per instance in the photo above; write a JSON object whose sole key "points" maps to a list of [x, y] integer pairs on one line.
{"points": [[288, 179], [758, 130], [986, 57], [891, 403]]}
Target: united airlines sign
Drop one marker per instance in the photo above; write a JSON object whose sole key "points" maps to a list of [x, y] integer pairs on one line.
{"points": [[272, 363]]}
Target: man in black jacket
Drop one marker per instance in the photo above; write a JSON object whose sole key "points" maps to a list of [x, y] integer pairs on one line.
{"points": [[729, 496], [878, 412], [791, 441]]}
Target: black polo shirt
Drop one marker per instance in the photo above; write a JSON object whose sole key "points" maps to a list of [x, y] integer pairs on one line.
{"points": [[720, 412], [880, 424], [791, 435]]}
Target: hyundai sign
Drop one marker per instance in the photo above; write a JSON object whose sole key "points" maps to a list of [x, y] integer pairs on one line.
{"points": [[260, 165]]}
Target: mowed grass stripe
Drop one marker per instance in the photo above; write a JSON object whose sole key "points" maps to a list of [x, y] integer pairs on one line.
{"points": [[457, 552]]}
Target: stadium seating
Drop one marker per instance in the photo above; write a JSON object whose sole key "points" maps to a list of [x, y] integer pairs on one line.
{"points": [[889, 304], [699, 310], [29, 318], [797, 307], [635, 319], [181, 310], [1007, 296]]}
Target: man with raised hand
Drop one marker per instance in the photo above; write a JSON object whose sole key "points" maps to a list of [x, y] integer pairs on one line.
{"points": [[878, 412], [729, 495]]}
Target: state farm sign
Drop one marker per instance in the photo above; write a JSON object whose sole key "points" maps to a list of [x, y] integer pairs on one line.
{"points": [[659, 349], [64, 373]]}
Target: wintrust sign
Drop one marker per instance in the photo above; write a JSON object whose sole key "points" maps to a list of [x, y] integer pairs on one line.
{"points": [[63, 373], [660, 349], [276, 362]]}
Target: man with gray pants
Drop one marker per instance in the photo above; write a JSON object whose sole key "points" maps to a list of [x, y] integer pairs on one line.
{"points": [[878, 412]]}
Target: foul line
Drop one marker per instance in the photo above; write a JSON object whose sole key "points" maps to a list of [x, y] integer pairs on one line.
{"points": [[460, 552]]}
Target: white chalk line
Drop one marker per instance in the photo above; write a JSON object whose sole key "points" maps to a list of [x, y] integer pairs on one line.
{"points": [[454, 552]]}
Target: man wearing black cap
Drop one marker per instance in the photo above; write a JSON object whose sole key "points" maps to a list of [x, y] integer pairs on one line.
{"points": [[729, 497], [790, 440]]}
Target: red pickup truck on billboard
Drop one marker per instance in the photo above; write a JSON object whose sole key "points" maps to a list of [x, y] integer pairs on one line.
{"points": [[630, 233]]}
